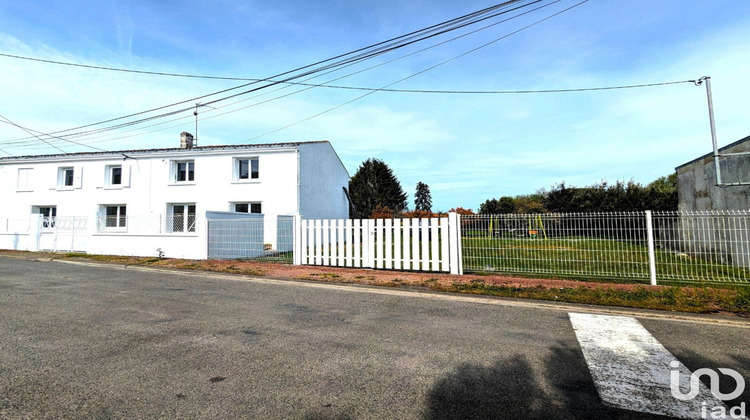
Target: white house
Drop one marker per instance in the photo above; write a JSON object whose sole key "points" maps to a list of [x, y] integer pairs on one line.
{"points": [[143, 202]]}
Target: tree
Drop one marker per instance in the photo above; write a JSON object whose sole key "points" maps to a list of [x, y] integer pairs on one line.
{"points": [[530, 204], [374, 185], [422, 198], [560, 199], [504, 205], [661, 194]]}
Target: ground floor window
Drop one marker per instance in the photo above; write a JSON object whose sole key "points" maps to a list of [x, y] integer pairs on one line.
{"points": [[48, 215], [247, 208], [115, 216], [181, 218]]}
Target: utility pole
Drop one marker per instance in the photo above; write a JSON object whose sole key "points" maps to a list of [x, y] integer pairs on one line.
{"points": [[197, 104], [700, 81], [195, 140]]}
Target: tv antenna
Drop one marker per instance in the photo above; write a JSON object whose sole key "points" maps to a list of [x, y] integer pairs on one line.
{"points": [[198, 104]]}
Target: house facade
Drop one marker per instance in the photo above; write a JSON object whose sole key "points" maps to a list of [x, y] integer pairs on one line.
{"points": [[155, 202]]}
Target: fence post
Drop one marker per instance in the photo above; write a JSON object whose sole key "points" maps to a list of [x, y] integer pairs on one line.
{"points": [[651, 255], [208, 238], [460, 245], [35, 228], [454, 236], [297, 240], [370, 243]]}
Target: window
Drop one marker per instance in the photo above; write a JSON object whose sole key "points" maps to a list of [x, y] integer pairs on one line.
{"points": [[247, 208], [184, 171], [49, 213], [115, 216], [246, 169], [181, 218], [114, 175], [65, 177], [24, 178]]}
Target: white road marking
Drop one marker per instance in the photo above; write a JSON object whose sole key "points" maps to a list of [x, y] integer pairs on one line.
{"points": [[631, 369]]}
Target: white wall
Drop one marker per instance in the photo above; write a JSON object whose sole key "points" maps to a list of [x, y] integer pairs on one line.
{"points": [[181, 246], [322, 179], [16, 241], [148, 188]]}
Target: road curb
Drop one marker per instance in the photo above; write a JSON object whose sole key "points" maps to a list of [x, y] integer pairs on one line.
{"points": [[477, 299]]}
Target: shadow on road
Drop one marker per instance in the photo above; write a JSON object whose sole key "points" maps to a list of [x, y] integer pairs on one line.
{"points": [[510, 388]]}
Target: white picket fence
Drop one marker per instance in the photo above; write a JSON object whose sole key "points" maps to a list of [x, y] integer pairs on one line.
{"points": [[425, 244]]}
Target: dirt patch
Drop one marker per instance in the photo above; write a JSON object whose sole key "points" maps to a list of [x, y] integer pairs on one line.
{"points": [[688, 299]]}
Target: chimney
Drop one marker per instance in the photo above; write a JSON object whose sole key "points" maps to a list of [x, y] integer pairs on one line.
{"points": [[186, 140]]}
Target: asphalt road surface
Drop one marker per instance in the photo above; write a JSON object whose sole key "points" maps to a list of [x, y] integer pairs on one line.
{"points": [[80, 341]]}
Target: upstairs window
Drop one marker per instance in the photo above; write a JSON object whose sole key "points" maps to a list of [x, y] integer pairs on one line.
{"points": [[246, 169], [114, 175], [24, 179], [184, 171], [65, 177], [69, 177]]}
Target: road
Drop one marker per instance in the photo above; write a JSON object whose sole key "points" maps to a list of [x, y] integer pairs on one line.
{"points": [[110, 342]]}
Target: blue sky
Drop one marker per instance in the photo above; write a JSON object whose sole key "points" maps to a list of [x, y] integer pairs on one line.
{"points": [[467, 148]]}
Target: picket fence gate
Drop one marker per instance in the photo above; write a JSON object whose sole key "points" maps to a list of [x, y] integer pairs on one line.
{"points": [[423, 244]]}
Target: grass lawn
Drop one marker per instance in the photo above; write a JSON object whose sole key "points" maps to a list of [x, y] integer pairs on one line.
{"points": [[580, 257]]}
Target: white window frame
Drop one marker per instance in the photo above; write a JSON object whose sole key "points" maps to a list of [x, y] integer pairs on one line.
{"points": [[48, 217], [109, 176], [236, 169], [233, 206], [76, 174], [62, 178], [23, 182], [120, 218], [176, 174], [183, 217]]}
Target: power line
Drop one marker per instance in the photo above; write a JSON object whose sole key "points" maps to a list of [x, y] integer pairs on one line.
{"points": [[312, 77], [210, 77], [32, 132], [29, 132], [509, 92], [327, 84], [369, 52], [386, 89], [153, 73], [373, 90], [431, 91], [425, 70]]}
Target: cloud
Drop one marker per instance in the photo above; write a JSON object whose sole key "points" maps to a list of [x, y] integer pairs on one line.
{"points": [[467, 148], [122, 10]]}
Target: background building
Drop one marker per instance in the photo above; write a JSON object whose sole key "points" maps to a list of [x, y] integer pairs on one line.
{"points": [[717, 236], [696, 181]]}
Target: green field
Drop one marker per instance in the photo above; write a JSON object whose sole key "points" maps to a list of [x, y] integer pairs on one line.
{"points": [[579, 257]]}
